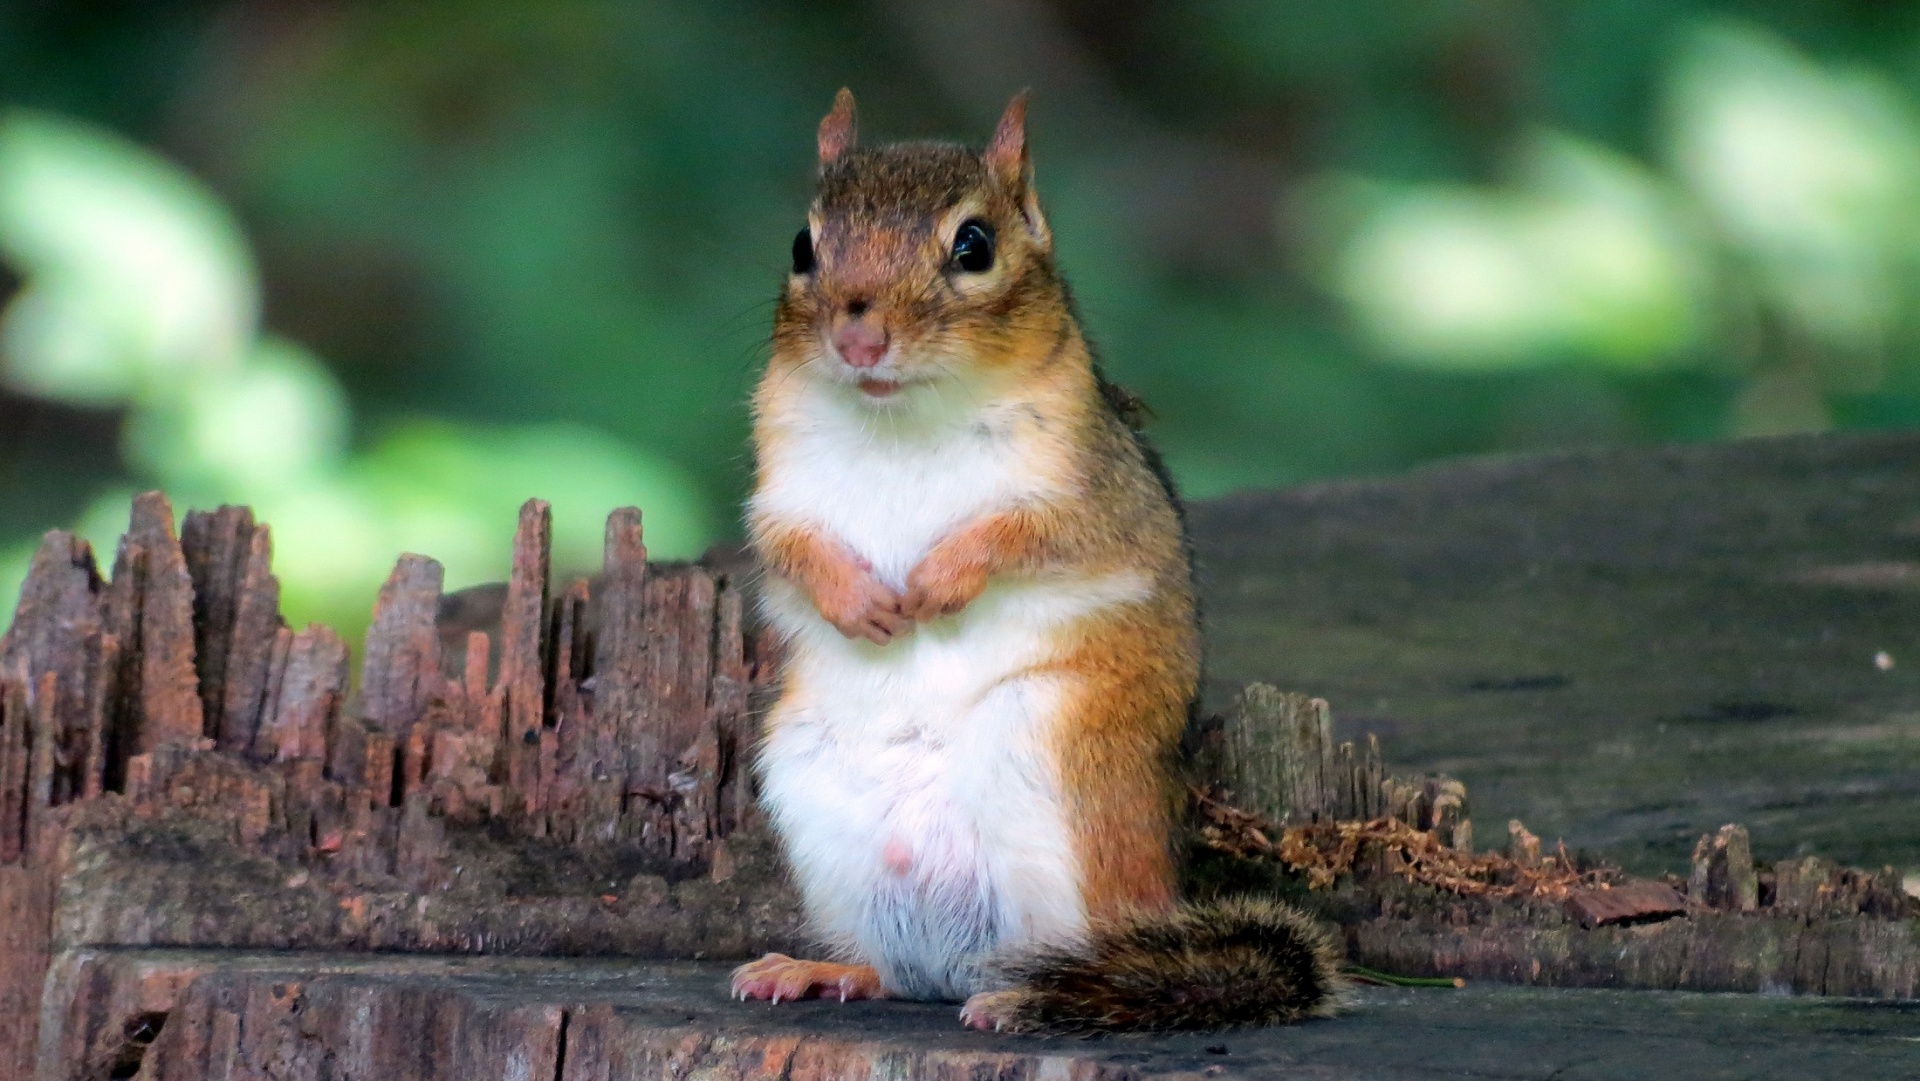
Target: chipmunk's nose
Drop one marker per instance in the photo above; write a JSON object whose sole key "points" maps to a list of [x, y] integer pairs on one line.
{"points": [[860, 343]]}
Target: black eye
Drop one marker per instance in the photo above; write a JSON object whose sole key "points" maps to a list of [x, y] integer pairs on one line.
{"points": [[973, 247], [803, 252]]}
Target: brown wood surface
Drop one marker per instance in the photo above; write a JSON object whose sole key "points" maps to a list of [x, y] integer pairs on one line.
{"points": [[180, 769]]}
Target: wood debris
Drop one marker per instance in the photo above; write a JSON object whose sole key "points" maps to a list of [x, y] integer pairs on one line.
{"points": [[1327, 851]]}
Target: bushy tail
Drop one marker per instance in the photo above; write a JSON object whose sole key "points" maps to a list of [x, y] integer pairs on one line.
{"points": [[1229, 964]]}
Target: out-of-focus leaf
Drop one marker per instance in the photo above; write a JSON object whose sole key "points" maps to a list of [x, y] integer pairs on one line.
{"points": [[1812, 172], [135, 273], [271, 423], [1584, 257]]}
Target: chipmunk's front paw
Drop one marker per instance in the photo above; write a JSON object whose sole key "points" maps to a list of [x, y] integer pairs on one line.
{"points": [[941, 586], [859, 606], [779, 978]]}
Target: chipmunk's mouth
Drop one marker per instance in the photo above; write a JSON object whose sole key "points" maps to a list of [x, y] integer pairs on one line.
{"points": [[878, 388]]}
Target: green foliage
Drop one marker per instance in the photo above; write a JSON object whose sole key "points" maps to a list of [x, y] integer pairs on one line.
{"points": [[385, 270]]}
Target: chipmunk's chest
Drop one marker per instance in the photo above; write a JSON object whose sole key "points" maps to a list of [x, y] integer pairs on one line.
{"points": [[890, 488]]}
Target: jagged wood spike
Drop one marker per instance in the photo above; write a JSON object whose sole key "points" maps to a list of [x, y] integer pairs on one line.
{"points": [[675, 750], [311, 684], [214, 544], [567, 714], [728, 705], [1723, 875], [522, 660], [58, 627], [619, 667], [256, 625], [1277, 755], [402, 658], [149, 606]]}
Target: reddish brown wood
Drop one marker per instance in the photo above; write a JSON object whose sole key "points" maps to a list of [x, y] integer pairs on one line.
{"points": [[57, 628], [16, 751], [43, 721], [728, 700], [1629, 902], [236, 618], [236, 614], [402, 665], [27, 894], [150, 608], [522, 685], [303, 704], [103, 659], [620, 667]]}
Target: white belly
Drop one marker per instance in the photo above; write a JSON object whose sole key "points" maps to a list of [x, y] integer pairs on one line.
{"points": [[913, 783], [915, 787]]}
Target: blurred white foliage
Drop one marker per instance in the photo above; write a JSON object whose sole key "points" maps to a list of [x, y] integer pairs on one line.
{"points": [[1795, 193], [1812, 173], [278, 419], [1584, 255], [135, 274], [141, 292]]}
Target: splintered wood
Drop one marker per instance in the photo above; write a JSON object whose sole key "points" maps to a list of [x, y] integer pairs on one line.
{"points": [[629, 731], [1289, 795], [557, 768], [1275, 757]]}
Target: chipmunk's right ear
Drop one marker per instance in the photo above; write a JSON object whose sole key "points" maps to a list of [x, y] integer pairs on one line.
{"points": [[1006, 157], [838, 130]]}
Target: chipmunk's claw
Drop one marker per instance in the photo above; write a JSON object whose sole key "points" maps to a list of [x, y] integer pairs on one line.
{"points": [[990, 1011], [778, 978]]}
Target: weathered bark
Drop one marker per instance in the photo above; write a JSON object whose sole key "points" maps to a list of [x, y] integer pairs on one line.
{"points": [[179, 768], [180, 1015], [1806, 926]]}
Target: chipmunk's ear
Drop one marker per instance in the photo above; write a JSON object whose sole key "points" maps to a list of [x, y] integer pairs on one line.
{"points": [[1006, 158], [1006, 154], [837, 130]]}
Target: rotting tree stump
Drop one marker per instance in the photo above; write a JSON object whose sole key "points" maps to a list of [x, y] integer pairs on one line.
{"points": [[1391, 862], [181, 772], [180, 769]]}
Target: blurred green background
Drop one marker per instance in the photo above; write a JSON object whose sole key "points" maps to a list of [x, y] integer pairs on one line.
{"points": [[385, 270]]}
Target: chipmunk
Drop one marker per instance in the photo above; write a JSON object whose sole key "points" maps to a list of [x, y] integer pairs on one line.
{"points": [[980, 575]]}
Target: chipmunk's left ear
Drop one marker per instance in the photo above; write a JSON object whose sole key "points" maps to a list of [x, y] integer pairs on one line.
{"points": [[839, 129], [1006, 158]]}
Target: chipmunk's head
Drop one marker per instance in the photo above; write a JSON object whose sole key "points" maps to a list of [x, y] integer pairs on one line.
{"points": [[920, 262]]}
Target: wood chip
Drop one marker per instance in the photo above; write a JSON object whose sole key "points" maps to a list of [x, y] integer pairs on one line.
{"points": [[1636, 901]]}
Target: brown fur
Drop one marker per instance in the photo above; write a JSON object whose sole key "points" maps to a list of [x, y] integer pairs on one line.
{"points": [[1230, 964], [840, 585]]}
